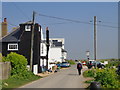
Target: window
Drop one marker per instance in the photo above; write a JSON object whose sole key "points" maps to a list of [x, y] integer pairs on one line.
{"points": [[28, 28], [39, 28], [42, 49], [13, 47]]}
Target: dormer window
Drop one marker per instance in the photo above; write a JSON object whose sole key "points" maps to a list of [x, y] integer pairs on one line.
{"points": [[39, 28], [27, 27]]}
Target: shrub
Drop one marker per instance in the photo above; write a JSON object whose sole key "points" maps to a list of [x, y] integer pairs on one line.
{"points": [[107, 77], [0, 57], [19, 73], [89, 73], [18, 63]]}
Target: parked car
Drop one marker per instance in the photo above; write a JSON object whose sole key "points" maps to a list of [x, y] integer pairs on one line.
{"points": [[93, 63], [58, 65], [76, 60], [83, 63], [65, 64], [99, 64]]}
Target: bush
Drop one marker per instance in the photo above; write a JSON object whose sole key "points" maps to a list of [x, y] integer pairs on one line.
{"points": [[18, 63], [19, 72], [107, 77], [0, 57], [89, 73]]}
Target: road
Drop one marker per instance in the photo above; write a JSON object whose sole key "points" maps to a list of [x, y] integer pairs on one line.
{"points": [[66, 78]]}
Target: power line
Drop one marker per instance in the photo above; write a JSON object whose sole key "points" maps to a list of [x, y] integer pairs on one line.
{"points": [[63, 19], [24, 14], [75, 21], [57, 23]]}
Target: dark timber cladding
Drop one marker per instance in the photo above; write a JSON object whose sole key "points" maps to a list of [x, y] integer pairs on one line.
{"points": [[25, 43], [21, 38]]}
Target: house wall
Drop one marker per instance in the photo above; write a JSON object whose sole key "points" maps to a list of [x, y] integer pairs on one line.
{"points": [[25, 45], [55, 55], [64, 55], [59, 40], [43, 49], [5, 50]]}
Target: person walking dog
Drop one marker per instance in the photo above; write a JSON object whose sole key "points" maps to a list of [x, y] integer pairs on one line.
{"points": [[79, 67]]}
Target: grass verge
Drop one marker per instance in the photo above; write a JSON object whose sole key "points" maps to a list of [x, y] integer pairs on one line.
{"points": [[89, 81], [15, 82], [72, 62]]}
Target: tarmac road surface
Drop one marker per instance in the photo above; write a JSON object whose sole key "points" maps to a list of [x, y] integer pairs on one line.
{"points": [[65, 78]]}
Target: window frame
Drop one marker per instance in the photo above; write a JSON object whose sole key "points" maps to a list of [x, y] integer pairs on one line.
{"points": [[26, 28], [9, 44]]}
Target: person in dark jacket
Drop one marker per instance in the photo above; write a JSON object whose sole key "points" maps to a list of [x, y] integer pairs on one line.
{"points": [[79, 67]]}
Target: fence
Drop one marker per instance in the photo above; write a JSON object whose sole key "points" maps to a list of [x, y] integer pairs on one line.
{"points": [[5, 68]]}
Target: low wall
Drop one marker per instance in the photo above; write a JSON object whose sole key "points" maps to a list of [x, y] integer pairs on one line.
{"points": [[5, 68]]}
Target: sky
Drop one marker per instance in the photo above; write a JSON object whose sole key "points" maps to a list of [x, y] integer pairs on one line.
{"points": [[78, 35]]}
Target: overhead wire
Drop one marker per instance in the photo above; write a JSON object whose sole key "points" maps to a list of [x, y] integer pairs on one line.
{"points": [[75, 21], [21, 11]]}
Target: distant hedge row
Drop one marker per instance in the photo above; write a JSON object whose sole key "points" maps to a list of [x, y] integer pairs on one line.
{"points": [[71, 62]]}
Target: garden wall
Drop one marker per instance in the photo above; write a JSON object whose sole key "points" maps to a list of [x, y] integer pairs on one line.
{"points": [[5, 68]]}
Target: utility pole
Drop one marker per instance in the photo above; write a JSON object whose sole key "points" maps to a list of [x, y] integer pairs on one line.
{"points": [[47, 45], [32, 41], [95, 49]]}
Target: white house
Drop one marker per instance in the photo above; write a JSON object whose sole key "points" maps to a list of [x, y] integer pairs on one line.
{"points": [[56, 51]]}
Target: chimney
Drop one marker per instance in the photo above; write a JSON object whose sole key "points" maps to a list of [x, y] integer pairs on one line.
{"points": [[5, 19], [47, 35], [47, 45], [4, 27]]}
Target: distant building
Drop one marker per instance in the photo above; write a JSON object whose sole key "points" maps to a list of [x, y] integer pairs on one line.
{"points": [[56, 51]]}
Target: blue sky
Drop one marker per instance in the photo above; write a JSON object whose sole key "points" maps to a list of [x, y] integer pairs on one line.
{"points": [[78, 36]]}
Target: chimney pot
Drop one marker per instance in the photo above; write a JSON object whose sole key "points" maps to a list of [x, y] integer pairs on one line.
{"points": [[46, 28], [5, 19]]}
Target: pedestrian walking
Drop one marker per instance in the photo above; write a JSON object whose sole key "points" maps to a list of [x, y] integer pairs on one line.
{"points": [[79, 67]]}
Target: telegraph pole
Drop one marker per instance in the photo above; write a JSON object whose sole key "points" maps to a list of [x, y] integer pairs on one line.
{"points": [[95, 49], [32, 41]]}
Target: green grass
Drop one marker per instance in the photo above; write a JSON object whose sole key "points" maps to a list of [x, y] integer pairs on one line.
{"points": [[89, 81], [71, 62], [0, 84], [88, 73], [14, 83]]}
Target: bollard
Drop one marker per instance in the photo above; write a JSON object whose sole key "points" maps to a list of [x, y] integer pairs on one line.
{"points": [[95, 85]]}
